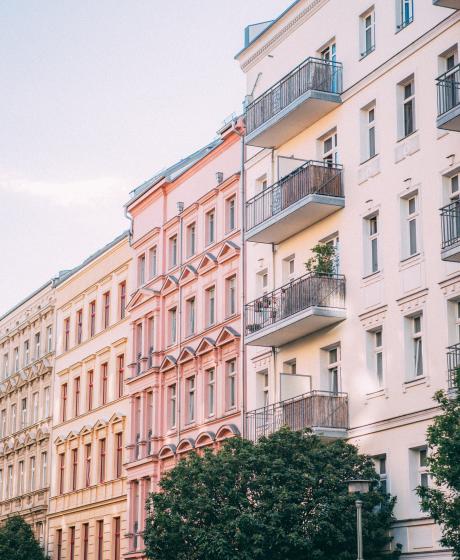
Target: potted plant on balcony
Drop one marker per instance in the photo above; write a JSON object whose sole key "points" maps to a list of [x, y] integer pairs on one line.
{"points": [[324, 259]]}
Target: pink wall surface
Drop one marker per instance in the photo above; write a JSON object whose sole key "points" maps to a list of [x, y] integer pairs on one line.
{"points": [[185, 390]]}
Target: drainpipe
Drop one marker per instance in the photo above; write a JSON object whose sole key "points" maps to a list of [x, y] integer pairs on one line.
{"points": [[180, 209], [276, 385]]}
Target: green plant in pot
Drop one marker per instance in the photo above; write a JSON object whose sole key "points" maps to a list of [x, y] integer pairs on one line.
{"points": [[323, 259]]}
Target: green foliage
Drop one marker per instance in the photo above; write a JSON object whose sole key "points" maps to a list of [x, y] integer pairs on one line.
{"points": [[443, 502], [283, 498], [323, 260], [17, 541]]}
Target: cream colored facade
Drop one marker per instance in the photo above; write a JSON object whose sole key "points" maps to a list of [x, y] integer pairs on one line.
{"points": [[27, 356], [87, 514], [371, 339]]}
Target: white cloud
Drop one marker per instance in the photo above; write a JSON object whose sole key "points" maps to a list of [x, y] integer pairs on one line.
{"points": [[70, 193]]}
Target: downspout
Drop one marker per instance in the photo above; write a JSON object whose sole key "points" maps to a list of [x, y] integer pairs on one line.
{"points": [[180, 209], [277, 385]]}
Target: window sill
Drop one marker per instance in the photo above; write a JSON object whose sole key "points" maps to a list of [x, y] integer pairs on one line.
{"points": [[369, 159], [407, 136], [407, 262], [372, 276], [381, 392], [367, 53], [403, 26], [415, 382]]}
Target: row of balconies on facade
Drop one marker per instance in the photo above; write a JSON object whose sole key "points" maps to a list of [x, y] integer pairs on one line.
{"points": [[313, 89]]}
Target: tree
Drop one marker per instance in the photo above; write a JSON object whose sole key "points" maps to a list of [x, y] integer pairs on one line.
{"points": [[283, 498], [17, 541], [442, 502], [323, 260]]}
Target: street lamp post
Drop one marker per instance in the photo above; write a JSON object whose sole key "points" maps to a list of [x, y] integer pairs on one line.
{"points": [[358, 487]]}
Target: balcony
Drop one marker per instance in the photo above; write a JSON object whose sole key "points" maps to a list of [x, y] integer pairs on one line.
{"points": [[305, 196], [448, 86], [303, 96], [324, 412], [305, 305], [454, 4], [453, 365], [450, 232]]}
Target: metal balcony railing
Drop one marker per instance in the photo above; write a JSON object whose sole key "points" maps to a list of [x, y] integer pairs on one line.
{"points": [[448, 86], [150, 357], [320, 409], [313, 74], [450, 225], [453, 364], [138, 363], [310, 290], [313, 177]]}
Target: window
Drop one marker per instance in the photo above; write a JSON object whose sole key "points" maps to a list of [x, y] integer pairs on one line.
{"points": [[288, 268], [23, 413], [87, 465], [120, 375], [79, 326], [334, 369], [172, 316], [407, 115], [153, 261], [104, 382], [76, 385], [210, 227], [191, 240], [405, 13], [47, 410], [211, 306], [64, 402], [191, 312], [116, 538], [44, 471], [417, 349], [102, 457], [59, 544], [74, 469], [372, 251], [49, 336], [37, 346], [16, 359], [66, 333], [5, 366], [230, 367], [13, 419], [9, 482], [92, 318], [378, 356], [119, 456], [261, 184], [231, 213], [90, 381], [85, 531], [380, 463], [122, 292], [72, 543], [141, 270], [368, 120], [26, 353], [230, 284], [149, 421], [173, 251], [172, 399], [367, 32], [423, 476], [100, 539], [211, 391], [32, 474], [35, 405], [139, 346], [411, 211], [3, 423], [191, 398], [330, 154], [1, 484], [151, 335], [21, 478], [329, 52], [106, 319], [61, 472]]}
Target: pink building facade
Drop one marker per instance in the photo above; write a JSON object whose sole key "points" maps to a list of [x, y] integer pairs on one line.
{"points": [[184, 375]]}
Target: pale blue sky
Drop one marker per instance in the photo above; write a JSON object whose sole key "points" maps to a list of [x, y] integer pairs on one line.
{"points": [[96, 96]]}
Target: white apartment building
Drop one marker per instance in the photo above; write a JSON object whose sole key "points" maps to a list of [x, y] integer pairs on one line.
{"points": [[353, 140]]}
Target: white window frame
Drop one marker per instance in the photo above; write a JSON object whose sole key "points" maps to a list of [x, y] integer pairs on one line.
{"points": [[406, 100], [191, 399], [333, 369], [367, 25], [402, 20], [210, 224], [172, 406], [381, 468], [372, 257], [417, 362], [191, 239], [191, 316], [211, 391], [330, 155], [378, 354], [231, 381]]}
